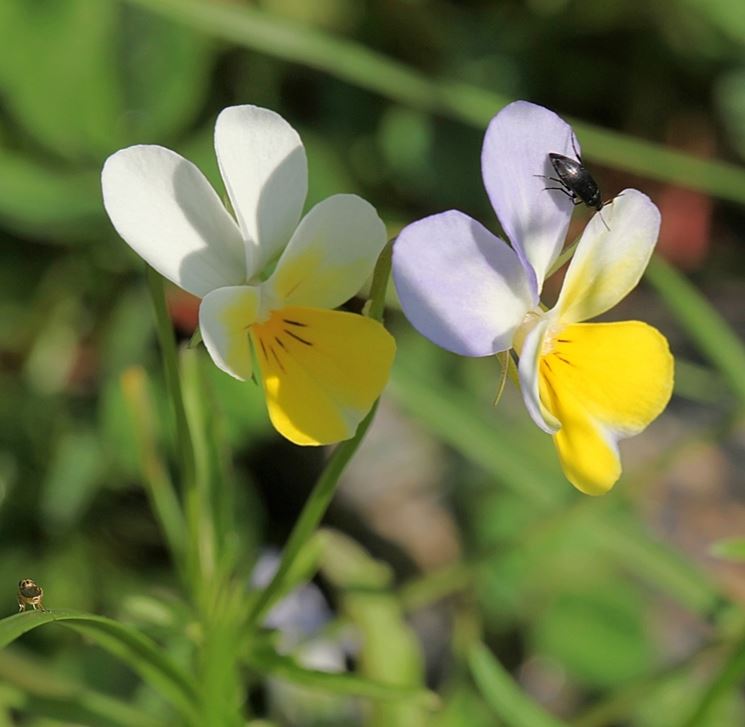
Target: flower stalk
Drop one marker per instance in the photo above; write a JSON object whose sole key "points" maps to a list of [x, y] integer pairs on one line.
{"points": [[187, 465], [323, 491]]}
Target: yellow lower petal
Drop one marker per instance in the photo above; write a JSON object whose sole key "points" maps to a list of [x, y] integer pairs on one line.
{"points": [[603, 382], [322, 371]]}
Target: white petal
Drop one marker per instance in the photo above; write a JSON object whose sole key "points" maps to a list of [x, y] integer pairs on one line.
{"points": [[528, 373], [331, 254], [514, 164], [263, 164], [225, 316], [609, 261], [168, 213], [459, 285]]}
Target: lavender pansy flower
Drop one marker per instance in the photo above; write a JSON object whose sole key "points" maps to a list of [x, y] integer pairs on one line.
{"points": [[588, 385]]}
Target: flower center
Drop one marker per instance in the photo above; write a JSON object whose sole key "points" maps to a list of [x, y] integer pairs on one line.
{"points": [[268, 305], [531, 320], [277, 335]]}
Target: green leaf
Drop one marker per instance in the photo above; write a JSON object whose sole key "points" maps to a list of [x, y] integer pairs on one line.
{"points": [[684, 703], [76, 469], [729, 93], [139, 652], [81, 100], [389, 650], [463, 707], [285, 667], [730, 549], [580, 629], [36, 198], [43, 692], [509, 703]]}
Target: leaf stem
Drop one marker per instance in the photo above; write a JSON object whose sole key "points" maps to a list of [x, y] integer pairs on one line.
{"points": [[726, 680], [498, 688], [379, 285], [169, 357], [310, 517]]}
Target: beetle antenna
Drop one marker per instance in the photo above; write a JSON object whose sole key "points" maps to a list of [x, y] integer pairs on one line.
{"points": [[600, 212], [574, 146]]}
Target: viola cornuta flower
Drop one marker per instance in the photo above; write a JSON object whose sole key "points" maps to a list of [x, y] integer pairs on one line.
{"points": [[587, 384], [321, 369]]}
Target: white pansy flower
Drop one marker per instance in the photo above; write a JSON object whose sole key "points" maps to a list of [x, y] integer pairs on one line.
{"points": [[321, 369]]}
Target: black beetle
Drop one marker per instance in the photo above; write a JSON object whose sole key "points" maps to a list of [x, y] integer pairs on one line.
{"points": [[576, 182]]}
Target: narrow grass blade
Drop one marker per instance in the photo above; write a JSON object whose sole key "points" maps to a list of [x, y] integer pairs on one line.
{"points": [[42, 692], [702, 322], [501, 693], [140, 653], [365, 68], [154, 472]]}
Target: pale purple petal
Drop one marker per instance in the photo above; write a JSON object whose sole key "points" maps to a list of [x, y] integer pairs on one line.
{"points": [[459, 285], [514, 162]]}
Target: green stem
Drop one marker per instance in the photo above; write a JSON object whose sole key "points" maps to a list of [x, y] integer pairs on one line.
{"points": [[169, 356], [325, 487], [310, 517], [379, 285]]}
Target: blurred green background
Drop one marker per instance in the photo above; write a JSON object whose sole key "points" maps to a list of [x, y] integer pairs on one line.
{"points": [[624, 610]]}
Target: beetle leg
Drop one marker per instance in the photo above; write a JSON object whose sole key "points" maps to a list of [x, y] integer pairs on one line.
{"points": [[571, 196]]}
